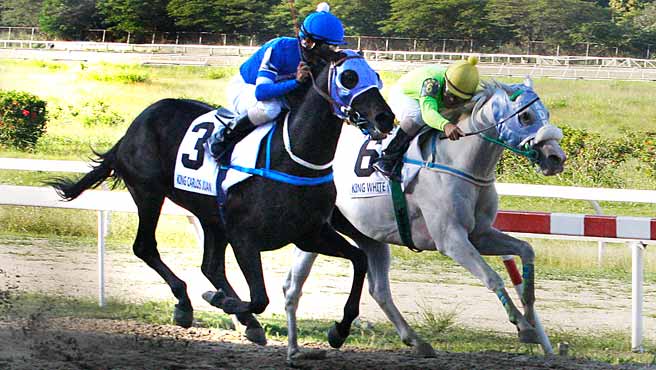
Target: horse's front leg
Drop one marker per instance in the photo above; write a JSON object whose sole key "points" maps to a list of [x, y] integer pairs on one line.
{"points": [[492, 242], [330, 243], [213, 268], [455, 243]]}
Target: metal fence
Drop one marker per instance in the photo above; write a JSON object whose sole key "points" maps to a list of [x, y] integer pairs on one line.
{"points": [[376, 43]]}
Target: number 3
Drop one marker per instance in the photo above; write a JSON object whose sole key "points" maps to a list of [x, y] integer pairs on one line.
{"points": [[197, 163]]}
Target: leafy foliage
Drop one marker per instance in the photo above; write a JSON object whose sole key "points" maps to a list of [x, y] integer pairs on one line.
{"points": [[68, 19], [20, 12], [132, 16], [592, 160], [22, 119]]}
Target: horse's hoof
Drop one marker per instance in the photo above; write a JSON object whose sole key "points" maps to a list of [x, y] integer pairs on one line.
{"points": [[233, 306], [334, 338], [256, 335], [214, 298], [529, 336], [183, 317], [229, 305], [424, 349]]}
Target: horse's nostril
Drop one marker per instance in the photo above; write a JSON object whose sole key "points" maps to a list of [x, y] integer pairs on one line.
{"points": [[554, 160], [385, 119]]}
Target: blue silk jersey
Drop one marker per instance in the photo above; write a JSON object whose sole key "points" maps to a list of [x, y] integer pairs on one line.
{"points": [[275, 60]]}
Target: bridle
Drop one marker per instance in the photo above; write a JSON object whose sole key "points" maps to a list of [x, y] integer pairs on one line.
{"points": [[528, 152], [350, 115]]}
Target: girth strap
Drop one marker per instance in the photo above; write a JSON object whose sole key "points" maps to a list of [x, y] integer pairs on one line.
{"points": [[401, 215]]}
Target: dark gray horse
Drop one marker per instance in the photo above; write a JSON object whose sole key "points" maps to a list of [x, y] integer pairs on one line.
{"points": [[260, 214], [451, 205]]}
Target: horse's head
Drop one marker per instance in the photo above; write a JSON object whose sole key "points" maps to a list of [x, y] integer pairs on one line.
{"points": [[523, 124], [354, 93]]}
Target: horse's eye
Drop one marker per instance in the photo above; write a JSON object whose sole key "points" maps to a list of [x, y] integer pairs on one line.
{"points": [[348, 79], [525, 118]]}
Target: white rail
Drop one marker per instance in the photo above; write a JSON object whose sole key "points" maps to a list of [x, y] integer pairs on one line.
{"points": [[105, 201]]}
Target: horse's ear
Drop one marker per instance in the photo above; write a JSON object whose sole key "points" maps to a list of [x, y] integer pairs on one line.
{"points": [[528, 82], [337, 55]]}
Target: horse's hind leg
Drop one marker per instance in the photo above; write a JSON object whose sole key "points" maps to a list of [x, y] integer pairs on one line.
{"points": [[330, 243], [213, 268], [378, 260], [149, 205], [293, 289]]}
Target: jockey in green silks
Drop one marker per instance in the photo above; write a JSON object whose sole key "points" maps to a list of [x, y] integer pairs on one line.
{"points": [[417, 100]]}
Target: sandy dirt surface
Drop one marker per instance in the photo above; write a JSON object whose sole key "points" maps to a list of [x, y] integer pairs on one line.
{"points": [[56, 267], [108, 344]]}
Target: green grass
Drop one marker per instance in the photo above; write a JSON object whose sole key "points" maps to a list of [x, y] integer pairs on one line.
{"points": [[438, 329], [555, 260]]}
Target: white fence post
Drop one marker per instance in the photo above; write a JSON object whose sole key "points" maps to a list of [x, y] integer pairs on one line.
{"points": [[102, 224], [637, 264]]}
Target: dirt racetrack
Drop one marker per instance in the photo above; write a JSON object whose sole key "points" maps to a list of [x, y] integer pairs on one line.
{"points": [[108, 344], [38, 265]]}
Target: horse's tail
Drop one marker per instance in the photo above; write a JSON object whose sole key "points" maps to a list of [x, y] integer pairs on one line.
{"points": [[105, 168]]}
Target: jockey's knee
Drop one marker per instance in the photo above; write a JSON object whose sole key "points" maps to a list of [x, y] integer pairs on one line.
{"points": [[264, 112]]}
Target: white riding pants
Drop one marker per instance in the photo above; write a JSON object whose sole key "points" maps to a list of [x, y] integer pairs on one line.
{"points": [[242, 97], [407, 110]]}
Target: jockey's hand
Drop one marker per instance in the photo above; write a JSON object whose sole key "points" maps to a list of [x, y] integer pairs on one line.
{"points": [[453, 132], [302, 72]]}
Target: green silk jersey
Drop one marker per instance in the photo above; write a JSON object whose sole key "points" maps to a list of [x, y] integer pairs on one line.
{"points": [[411, 84]]}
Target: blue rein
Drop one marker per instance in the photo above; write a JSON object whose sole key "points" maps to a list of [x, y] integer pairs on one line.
{"points": [[274, 175]]}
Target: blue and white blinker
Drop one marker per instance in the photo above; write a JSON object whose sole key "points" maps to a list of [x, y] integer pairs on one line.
{"points": [[523, 101], [367, 79]]}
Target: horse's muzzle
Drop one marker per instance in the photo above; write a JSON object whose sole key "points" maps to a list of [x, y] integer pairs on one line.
{"points": [[551, 157], [385, 121]]}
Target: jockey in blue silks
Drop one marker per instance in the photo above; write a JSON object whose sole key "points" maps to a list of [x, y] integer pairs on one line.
{"points": [[257, 91]]}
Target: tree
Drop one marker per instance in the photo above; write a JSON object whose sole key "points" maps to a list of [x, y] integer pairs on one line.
{"points": [[279, 19], [68, 19], [554, 20], [20, 12], [244, 16], [624, 6], [135, 15], [195, 15], [436, 19], [361, 17]]}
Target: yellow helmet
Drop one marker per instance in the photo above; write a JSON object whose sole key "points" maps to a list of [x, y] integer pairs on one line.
{"points": [[462, 78]]}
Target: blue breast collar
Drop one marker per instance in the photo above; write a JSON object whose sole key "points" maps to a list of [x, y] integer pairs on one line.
{"points": [[274, 175]]}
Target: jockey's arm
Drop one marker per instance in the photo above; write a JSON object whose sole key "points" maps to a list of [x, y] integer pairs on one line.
{"points": [[267, 89], [430, 101], [430, 113], [268, 84]]}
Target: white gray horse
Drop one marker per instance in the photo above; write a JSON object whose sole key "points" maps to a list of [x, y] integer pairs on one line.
{"points": [[451, 204]]}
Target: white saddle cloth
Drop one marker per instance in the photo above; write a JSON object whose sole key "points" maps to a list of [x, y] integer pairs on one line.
{"points": [[197, 173]]}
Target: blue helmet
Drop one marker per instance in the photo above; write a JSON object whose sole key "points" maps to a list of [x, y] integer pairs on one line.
{"points": [[323, 26]]}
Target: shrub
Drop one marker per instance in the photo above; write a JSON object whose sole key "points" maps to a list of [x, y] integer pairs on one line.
{"points": [[97, 113], [22, 119], [592, 159]]}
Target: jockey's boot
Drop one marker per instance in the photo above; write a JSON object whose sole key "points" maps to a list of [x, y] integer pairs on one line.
{"points": [[225, 138], [390, 163]]}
